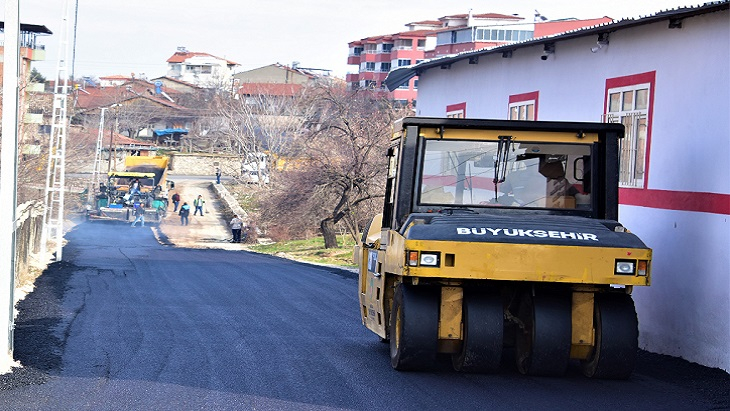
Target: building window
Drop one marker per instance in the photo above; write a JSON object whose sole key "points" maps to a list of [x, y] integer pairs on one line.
{"points": [[404, 62], [415, 84], [369, 84], [456, 110], [387, 48], [404, 44], [443, 38], [523, 106], [403, 86], [502, 35], [370, 66], [357, 51], [421, 44], [384, 67], [628, 101]]}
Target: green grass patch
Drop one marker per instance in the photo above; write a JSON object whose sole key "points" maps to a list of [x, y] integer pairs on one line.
{"points": [[312, 250]]}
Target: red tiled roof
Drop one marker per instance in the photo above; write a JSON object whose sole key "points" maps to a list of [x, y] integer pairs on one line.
{"points": [[181, 56], [415, 33], [92, 98], [87, 137], [386, 37], [177, 81], [547, 28]]}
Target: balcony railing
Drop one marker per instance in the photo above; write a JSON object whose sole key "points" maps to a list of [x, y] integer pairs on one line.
{"points": [[27, 44]]}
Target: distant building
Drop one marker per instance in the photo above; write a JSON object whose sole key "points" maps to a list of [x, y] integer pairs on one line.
{"points": [[274, 80], [376, 56], [175, 85], [32, 121], [115, 80], [275, 73], [138, 107], [200, 69]]}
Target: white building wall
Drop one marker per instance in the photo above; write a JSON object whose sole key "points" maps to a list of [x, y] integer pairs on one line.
{"points": [[686, 311], [219, 73]]}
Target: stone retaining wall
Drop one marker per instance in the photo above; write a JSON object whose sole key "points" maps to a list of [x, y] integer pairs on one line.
{"points": [[198, 164], [28, 230]]}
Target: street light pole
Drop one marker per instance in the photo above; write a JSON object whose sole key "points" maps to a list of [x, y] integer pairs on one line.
{"points": [[9, 181]]}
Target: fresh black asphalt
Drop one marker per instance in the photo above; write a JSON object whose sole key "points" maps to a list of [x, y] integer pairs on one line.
{"points": [[125, 323]]}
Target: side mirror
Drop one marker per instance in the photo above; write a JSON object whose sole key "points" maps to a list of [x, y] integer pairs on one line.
{"points": [[582, 172]]}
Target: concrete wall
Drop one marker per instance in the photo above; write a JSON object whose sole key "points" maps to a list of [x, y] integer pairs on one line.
{"points": [[29, 226], [272, 74], [686, 311]]}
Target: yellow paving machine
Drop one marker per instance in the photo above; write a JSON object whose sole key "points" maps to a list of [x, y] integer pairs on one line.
{"points": [[142, 183]]}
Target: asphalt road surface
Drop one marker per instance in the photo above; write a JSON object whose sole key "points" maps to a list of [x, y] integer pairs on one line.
{"points": [[130, 322]]}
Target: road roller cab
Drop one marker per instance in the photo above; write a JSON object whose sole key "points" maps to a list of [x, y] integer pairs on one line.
{"points": [[502, 235]]}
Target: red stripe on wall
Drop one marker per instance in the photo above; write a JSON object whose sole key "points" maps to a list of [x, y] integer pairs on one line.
{"points": [[676, 200]]}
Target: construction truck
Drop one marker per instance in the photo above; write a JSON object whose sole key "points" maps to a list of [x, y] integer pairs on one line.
{"points": [[143, 183], [501, 238]]}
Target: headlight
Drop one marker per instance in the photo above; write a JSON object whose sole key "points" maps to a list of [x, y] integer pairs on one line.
{"points": [[624, 267], [429, 259]]}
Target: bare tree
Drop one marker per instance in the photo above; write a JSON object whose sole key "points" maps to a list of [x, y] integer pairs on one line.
{"points": [[262, 123], [344, 163], [139, 113]]}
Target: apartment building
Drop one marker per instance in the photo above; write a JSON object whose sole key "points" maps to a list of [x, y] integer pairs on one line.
{"points": [[200, 69], [376, 56], [31, 101]]}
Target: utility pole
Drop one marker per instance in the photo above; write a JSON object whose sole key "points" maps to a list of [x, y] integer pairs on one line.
{"points": [[9, 181], [112, 145], [97, 158], [56, 173]]}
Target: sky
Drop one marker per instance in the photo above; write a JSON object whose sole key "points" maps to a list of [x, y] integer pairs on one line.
{"points": [[138, 36]]}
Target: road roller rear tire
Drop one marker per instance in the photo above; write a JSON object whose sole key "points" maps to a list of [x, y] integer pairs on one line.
{"points": [[617, 338], [414, 327], [543, 346], [483, 332]]}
